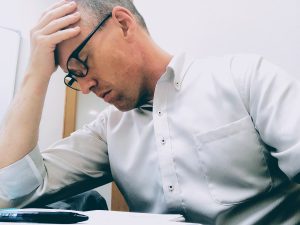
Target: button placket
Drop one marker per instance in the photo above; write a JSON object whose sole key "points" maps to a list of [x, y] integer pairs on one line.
{"points": [[171, 188], [163, 140], [177, 84]]}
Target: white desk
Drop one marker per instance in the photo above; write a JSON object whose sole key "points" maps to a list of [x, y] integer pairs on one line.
{"points": [[99, 217], [125, 218]]}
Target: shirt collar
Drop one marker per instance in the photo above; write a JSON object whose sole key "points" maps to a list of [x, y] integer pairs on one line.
{"points": [[147, 106], [178, 66], [175, 72]]}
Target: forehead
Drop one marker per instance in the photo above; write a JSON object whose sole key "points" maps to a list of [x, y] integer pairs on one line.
{"points": [[65, 48]]}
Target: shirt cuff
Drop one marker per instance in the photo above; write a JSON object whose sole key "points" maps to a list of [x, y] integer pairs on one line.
{"points": [[22, 177]]}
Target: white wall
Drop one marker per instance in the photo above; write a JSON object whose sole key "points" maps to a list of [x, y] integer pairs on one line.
{"points": [[9, 47], [216, 27], [23, 15]]}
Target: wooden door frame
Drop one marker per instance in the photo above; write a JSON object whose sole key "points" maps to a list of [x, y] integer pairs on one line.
{"points": [[117, 201]]}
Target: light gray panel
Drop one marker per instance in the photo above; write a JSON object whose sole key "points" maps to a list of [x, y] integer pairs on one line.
{"points": [[9, 52]]}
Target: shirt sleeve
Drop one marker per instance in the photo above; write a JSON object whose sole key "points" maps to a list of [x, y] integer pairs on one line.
{"points": [[271, 97], [12, 177], [70, 166]]}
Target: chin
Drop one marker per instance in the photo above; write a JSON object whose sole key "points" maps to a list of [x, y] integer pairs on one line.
{"points": [[125, 107], [126, 104]]}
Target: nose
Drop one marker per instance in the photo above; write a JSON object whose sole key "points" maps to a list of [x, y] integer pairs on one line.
{"points": [[86, 84]]}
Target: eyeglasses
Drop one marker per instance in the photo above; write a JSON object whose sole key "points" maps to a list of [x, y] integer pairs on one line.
{"points": [[76, 67]]}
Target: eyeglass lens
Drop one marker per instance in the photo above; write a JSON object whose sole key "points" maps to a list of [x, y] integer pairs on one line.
{"points": [[72, 83], [77, 68]]}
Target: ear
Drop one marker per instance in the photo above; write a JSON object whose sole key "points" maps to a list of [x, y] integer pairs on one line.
{"points": [[124, 19]]}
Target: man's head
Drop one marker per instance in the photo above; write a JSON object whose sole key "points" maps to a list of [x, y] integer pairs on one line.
{"points": [[117, 58], [99, 8]]}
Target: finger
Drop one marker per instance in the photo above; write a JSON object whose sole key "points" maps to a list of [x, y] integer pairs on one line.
{"points": [[63, 35], [54, 6], [60, 23], [56, 13]]}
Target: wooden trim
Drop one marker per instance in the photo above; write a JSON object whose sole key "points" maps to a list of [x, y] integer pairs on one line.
{"points": [[117, 201], [70, 112]]}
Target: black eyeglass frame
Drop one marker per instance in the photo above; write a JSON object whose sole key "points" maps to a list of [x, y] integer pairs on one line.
{"points": [[75, 55]]}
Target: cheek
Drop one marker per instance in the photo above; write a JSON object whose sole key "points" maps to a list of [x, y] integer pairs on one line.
{"points": [[127, 86], [124, 71], [110, 68], [118, 69], [130, 79]]}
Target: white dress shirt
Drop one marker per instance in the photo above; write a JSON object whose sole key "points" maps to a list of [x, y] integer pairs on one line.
{"points": [[220, 146]]}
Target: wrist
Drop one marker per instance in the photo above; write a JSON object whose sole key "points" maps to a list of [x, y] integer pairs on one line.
{"points": [[42, 68], [35, 81]]}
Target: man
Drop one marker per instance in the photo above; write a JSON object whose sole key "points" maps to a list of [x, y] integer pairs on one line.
{"points": [[215, 139]]}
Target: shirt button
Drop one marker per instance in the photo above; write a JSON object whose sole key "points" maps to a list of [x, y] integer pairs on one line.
{"points": [[163, 141], [171, 188], [159, 113]]}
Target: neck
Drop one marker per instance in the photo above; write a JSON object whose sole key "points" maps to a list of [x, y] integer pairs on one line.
{"points": [[156, 61]]}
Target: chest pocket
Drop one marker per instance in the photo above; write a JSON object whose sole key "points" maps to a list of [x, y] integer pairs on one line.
{"points": [[233, 162]]}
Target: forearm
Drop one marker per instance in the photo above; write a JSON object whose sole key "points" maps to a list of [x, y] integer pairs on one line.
{"points": [[20, 128]]}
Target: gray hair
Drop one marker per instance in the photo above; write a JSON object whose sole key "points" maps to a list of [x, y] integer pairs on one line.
{"points": [[101, 8]]}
